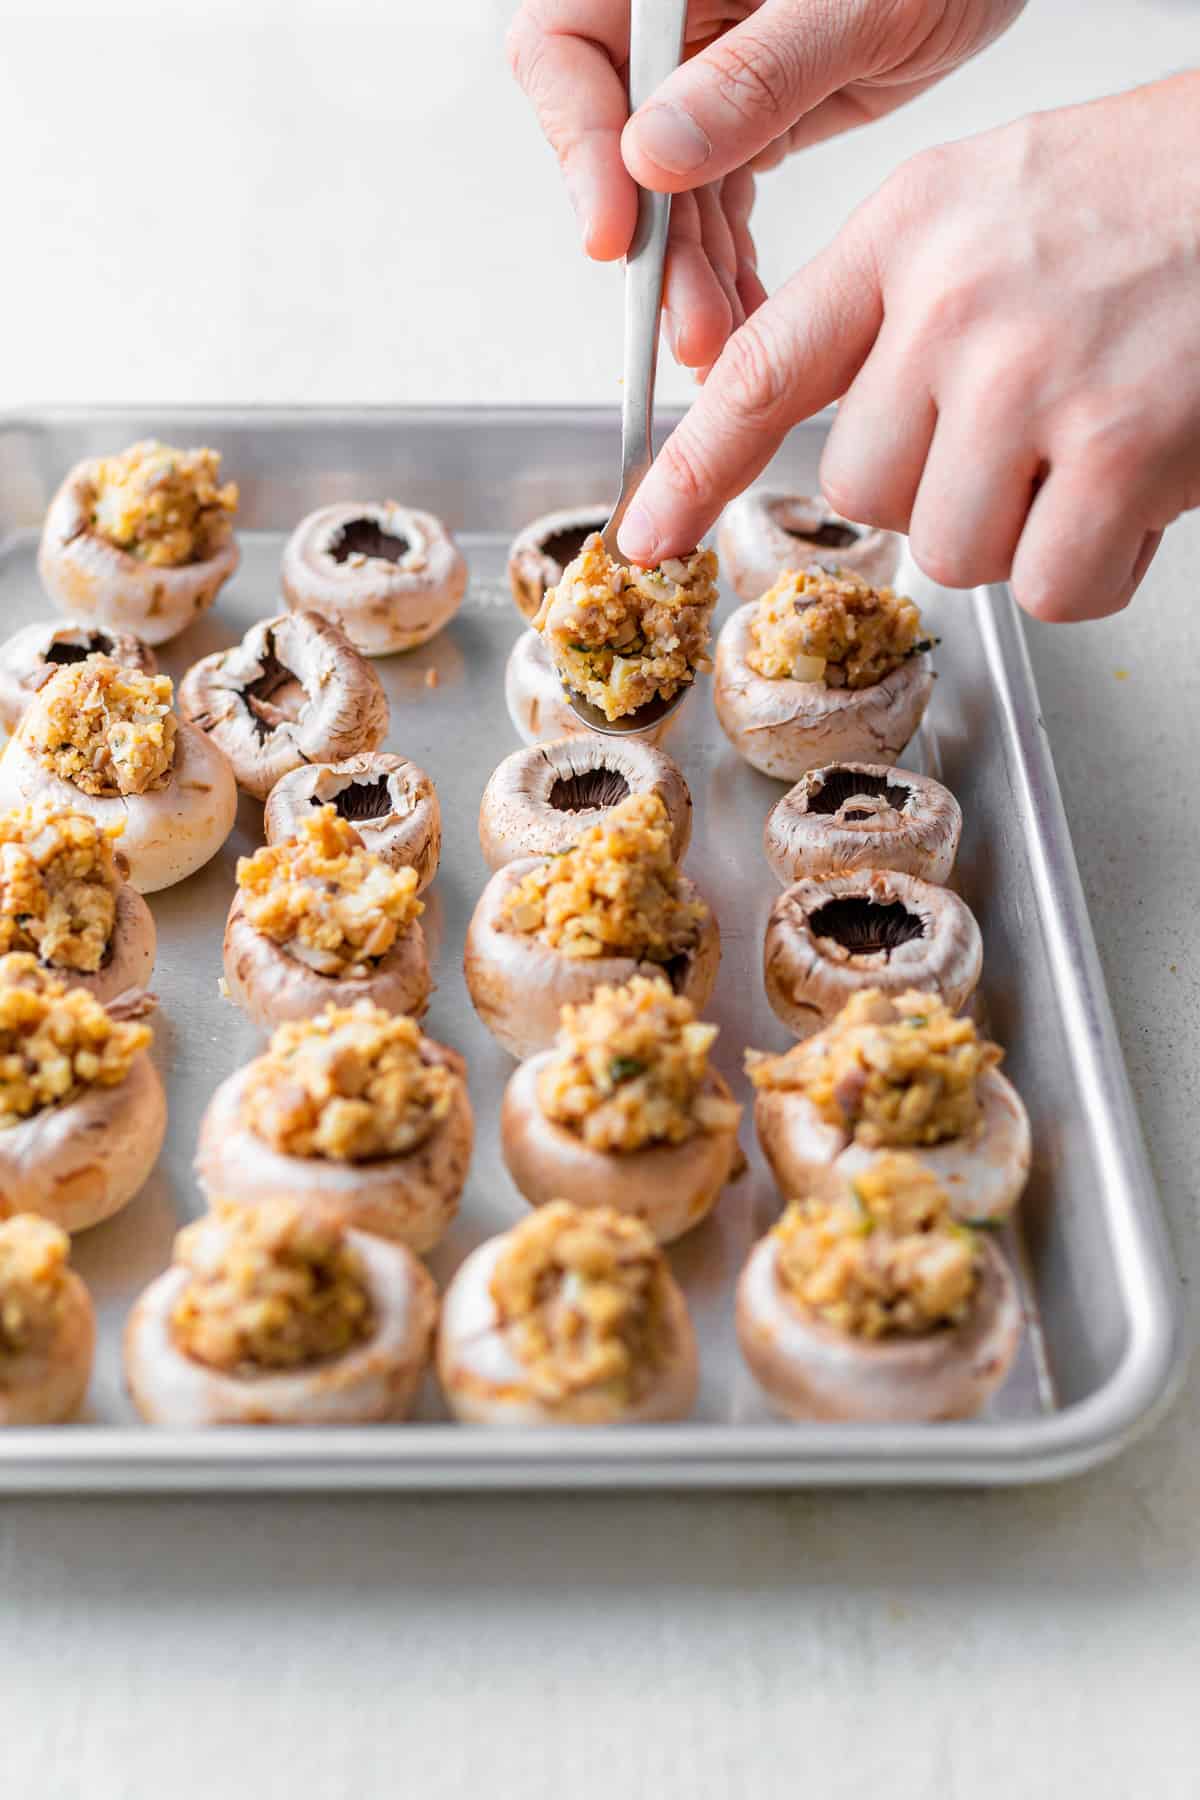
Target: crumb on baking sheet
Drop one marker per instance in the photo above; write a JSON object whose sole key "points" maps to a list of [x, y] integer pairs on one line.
{"points": [[431, 678], [58, 887], [817, 625], [55, 1041], [165, 507], [106, 729]]}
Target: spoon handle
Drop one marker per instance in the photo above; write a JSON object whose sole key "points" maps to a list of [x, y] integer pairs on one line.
{"points": [[655, 47]]}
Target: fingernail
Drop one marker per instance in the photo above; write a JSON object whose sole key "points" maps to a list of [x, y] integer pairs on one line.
{"points": [[638, 536], [671, 138]]}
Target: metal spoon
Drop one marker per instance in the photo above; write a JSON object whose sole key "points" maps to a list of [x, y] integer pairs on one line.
{"points": [[655, 47]]}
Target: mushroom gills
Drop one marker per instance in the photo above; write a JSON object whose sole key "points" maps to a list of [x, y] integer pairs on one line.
{"points": [[360, 800], [563, 547], [588, 790], [829, 535], [866, 927], [96, 643], [366, 537], [275, 697], [842, 786]]}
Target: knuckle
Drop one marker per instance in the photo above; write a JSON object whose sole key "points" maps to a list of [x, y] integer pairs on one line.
{"points": [[755, 374], [754, 74], [950, 565], [684, 469]]}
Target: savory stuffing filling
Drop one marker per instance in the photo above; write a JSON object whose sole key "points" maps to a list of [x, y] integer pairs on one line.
{"points": [[326, 899], [164, 506], [58, 887], [630, 1068], [56, 1041], [623, 636], [272, 1286], [616, 892], [33, 1268], [815, 625], [106, 729], [353, 1084], [888, 1070], [884, 1258], [583, 1298]]}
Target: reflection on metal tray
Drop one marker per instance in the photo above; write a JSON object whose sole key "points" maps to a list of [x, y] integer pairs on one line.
{"points": [[1102, 1347]]}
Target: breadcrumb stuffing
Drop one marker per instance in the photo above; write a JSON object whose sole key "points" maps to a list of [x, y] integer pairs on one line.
{"points": [[353, 1084], [33, 1267], [273, 1286], [106, 729], [815, 625], [58, 887], [884, 1258], [164, 506], [56, 1041], [326, 899], [617, 892], [583, 1296]]}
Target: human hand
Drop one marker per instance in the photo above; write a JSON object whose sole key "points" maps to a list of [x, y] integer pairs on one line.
{"points": [[763, 78], [1011, 324]]}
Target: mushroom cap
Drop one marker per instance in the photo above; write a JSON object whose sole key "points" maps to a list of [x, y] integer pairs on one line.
{"points": [[887, 819], [47, 1386], [784, 728], [540, 708], [809, 975], [129, 960], [97, 581], [485, 1382], [670, 1187], [377, 1379], [169, 833], [539, 554], [384, 601], [519, 985], [406, 830], [83, 1160], [32, 655], [410, 1199], [810, 1370], [540, 799], [983, 1172], [340, 707], [764, 532], [271, 986]]}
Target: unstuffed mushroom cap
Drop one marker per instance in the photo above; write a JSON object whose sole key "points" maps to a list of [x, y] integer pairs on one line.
{"points": [[294, 691], [784, 727], [35, 653], [388, 575], [518, 985], [376, 1380], [540, 707], [829, 935], [168, 833], [46, 1386], [762, 533], [539, 554], [810, 1370], [485, 1382], [863, 816], [270, 985], [97, 581], [540, 799], [669, 1187], [410, 1199], [391, 802]]}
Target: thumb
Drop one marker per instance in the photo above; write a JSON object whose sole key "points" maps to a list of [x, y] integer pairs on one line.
{"points": [[750, 85]]}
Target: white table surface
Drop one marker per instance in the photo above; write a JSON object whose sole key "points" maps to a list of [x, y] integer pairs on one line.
{"points": [[318, 203]]}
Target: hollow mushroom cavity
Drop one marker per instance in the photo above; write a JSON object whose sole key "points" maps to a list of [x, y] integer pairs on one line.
{"points": [[31, 657], [863, 816], [762, 533], [539, 554], [391, 803], [831, 935], [47, 1325], [140, 542], [539, 800], [294, 691], [388, 575]]}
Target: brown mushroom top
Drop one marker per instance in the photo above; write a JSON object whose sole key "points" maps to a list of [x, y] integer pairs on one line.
{"points": [[352, 1084], [614, 893], [163, 506], [33, 1268], [106, 729], [276, 1287], [619, 636], [890, 1070], [629, 1068], [814, 625], [583, 1296], [882, 1258], [325, 898], [58, 886], [56, 1041]]}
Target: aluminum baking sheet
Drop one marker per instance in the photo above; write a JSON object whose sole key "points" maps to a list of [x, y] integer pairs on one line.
{"points": [[1102, 1347]]}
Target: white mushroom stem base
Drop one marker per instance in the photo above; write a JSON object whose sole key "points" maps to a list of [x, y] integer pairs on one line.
{"points": [[539, 706], [47, 1386], [376, 1380], [486, 1383], [810, 1370], [270, 985]]}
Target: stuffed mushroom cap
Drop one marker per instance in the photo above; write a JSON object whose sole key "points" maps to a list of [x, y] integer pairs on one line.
{"points": [[851, 815], [539, 799], [271, 986], [391, 802], [764, 532], [47, 1326], [29, 659]]}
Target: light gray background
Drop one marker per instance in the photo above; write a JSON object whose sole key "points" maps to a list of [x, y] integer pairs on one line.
{"points": [[340, 203]]}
